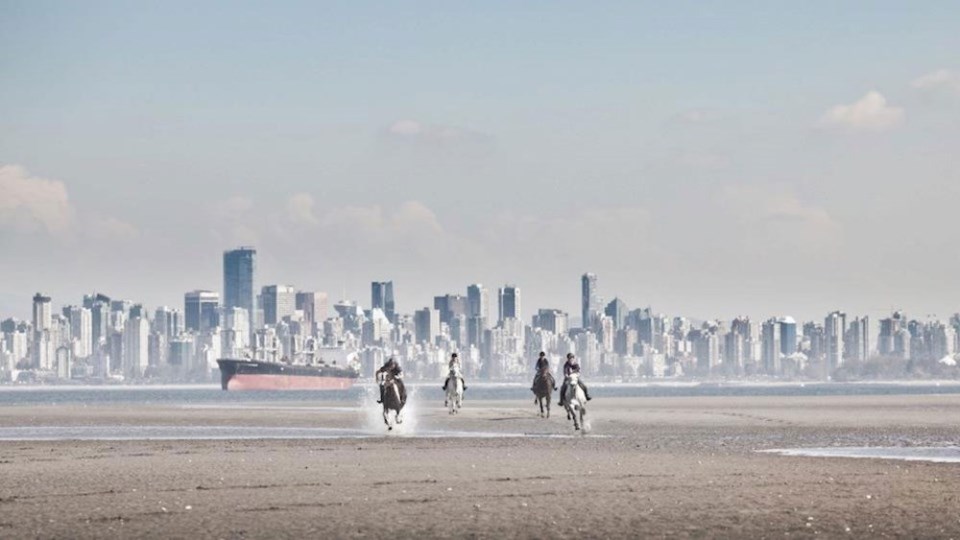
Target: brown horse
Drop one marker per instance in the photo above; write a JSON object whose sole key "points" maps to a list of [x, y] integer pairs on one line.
{"points": [[543, 386], [394, 398]]}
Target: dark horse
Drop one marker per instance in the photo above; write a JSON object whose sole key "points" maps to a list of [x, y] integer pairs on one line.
{"points": [[394, 398], [543, 386]]}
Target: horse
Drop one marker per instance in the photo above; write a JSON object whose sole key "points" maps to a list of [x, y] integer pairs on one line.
{"points": [[543, 390], [454, 386], [393, 400], [574, 400]]}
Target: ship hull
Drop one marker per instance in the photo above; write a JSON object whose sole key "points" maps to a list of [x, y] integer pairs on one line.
{"points": [[250, 375], [287, 382]]}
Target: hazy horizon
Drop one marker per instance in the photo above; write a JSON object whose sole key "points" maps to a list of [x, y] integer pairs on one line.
{"points": [[708, 160]]}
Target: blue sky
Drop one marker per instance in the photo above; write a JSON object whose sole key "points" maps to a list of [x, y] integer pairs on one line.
{"points": [[692, 153]]}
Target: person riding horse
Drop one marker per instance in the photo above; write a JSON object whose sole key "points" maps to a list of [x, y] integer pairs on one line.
{"points": [[455, 367], [543, 370], [571, 366], [392, 370]]}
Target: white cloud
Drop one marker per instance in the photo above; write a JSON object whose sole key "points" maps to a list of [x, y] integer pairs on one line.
{"points": [[29, 204], [414, 131], [300, 209], [870, 113], [940, 80], [778, 218]]}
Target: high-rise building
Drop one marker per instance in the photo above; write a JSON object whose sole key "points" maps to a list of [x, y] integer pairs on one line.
{"points": [[552, 320], [279, 301], [477, 301], [590, 301], [381, 293], [136, 347], [834, 328], [889, 342], [239, 268], [788, 335], [42, 313], [772, 349], [857, 340], [508, 302], [617, 311], [81, 330], [201, 310], [314, 306], [427, 324], [235, 336], [450, 307]]}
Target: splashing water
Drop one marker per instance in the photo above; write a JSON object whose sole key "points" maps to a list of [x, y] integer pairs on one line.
{"points": [[372, 413]]}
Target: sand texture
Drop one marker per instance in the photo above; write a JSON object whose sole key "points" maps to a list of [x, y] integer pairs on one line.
{"points": [[666, 467]]}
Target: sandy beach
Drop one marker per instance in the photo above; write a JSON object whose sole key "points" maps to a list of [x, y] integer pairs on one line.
{"points": [[657, 467]]}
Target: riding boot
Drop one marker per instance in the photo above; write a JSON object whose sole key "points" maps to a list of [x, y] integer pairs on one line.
{"points": [[381, 395], [586, 393], [563, 392], [464, 383]]}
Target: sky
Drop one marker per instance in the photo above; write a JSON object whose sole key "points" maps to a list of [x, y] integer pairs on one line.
{"points": [[708, 159]]}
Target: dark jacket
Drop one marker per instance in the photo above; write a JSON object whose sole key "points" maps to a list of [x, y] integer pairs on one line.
{"points": [[543, 364], [571, 367], [390, 368]]}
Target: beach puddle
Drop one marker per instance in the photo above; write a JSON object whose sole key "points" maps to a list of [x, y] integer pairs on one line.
{"points": [[937, 454], [174, 433]]}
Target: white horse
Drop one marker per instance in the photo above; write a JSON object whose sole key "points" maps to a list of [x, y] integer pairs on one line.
{"points": [[574, 401], [454, 398]]}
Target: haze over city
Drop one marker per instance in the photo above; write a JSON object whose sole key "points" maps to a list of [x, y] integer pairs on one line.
{"points": [[710, 160]]}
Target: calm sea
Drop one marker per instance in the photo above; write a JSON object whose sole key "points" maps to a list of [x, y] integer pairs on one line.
{"points": [[210, 394]]}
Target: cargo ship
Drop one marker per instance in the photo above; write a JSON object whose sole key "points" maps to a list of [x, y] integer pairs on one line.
{"points": [[247, 374]]}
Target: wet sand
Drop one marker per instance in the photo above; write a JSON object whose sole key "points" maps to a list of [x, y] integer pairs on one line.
{"points": [[663, 467]]}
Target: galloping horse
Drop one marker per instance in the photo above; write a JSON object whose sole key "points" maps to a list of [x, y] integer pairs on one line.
{"points": [[454, 386], [574, 400], [393, 400], [543, 390]]}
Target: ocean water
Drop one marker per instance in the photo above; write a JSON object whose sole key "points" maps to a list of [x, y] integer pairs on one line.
{"points": [[936, 454], [432, 392]]}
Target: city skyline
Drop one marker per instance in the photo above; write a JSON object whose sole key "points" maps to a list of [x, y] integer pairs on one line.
{"points": [[752, 159], [108, 338]]}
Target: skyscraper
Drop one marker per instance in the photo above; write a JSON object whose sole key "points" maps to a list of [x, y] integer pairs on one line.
{"points": [[788, 335], [201, 310], [42, 313], [450, 307], [509, 303], [617, 311], [279, 301], [476, 300], [314, 307], [239, 267], [834, 328], [589, 299], [381, 293], [427, 324]]}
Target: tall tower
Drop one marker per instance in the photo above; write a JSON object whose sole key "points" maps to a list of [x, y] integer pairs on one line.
{"points": [[201, 310], [239, 266], [509, 302], [279, 301], [477, 301], [834, 328], [381, 293], [589, 299], [42, 313]]}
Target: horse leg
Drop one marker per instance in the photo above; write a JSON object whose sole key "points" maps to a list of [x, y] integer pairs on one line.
{"points": [[548, 405]]}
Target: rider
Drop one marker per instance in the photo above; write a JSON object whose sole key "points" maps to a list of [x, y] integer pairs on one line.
{"points": [[391, 369], [543, 369], [454, 364], [572, 366]]}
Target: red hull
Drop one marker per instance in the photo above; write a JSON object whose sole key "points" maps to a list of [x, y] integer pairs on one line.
{"points": [[287, 382]]}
